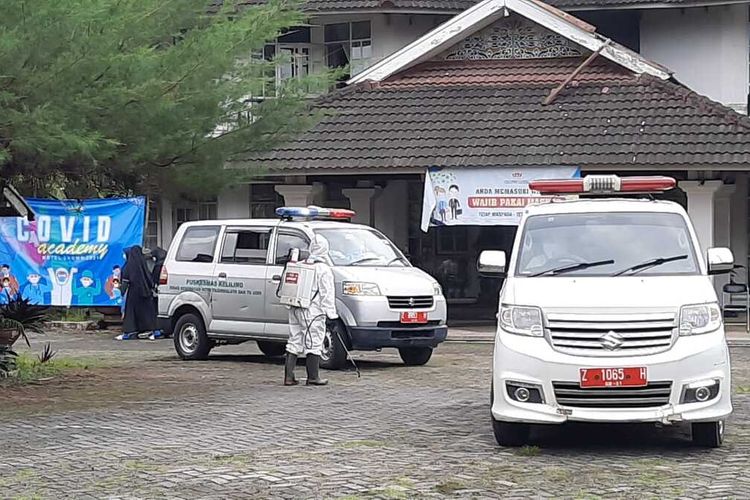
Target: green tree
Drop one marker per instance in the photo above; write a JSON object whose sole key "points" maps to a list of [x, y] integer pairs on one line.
{"points": [[116, 96]]}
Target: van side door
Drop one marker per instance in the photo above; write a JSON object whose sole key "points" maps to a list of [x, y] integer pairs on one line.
{"points": [[277, 315], [191, 269], [238, 300]]}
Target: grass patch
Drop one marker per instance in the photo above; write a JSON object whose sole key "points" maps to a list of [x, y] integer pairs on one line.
{"points": [[238, 459], [450, 487], [30, 369], [743, 389], [362, 443], [529, 451]]}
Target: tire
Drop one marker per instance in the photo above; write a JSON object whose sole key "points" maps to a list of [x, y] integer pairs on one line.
{"points": [[271, 349], [708, 434], [510, 433], [334, 352], [415, 356], [190, 339]]}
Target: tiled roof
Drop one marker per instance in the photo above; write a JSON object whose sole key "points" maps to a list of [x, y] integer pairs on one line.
{"points": [[490, 113], [461, 5]]}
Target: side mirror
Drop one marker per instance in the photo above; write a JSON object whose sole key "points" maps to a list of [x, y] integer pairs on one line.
{"points": [[491, 263], [720, 260]]}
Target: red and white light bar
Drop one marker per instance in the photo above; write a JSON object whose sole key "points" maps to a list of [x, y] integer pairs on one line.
{"points": [[603, 184], [313, 213]]}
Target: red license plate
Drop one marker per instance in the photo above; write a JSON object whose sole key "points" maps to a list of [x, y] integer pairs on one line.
{"points": [[414, 317], [613, 377]]}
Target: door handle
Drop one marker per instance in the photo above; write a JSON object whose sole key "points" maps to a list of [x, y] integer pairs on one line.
{"points": [[222, 275], [276, 278]]}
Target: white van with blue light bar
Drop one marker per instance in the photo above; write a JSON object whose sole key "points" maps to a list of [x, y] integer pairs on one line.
{"points": [[608, 314], [220, 280]]}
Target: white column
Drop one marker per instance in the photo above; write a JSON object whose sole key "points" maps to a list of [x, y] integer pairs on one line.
{"points": [[361, 202], [722, 227], [234, 202], [700, 201], [738, 231], [299, 195]]}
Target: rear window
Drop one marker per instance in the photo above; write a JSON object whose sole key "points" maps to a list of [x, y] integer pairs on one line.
{"points": [[198, 244]]}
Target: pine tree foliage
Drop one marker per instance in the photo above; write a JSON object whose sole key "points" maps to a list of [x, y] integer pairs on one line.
{"points": [[101, 97]]}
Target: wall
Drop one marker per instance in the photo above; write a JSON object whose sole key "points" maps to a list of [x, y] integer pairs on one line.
{"points": [[234, 202], [392, 213], [706, 48]]}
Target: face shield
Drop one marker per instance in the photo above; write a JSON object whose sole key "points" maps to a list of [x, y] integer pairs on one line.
{"points": [[319, 249]]}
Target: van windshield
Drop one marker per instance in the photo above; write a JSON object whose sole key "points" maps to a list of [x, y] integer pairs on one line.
{"points": [[361, 247], [606, 244]]}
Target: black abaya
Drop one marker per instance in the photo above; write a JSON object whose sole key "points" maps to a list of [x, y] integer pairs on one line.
{"points": [[140, 309]]}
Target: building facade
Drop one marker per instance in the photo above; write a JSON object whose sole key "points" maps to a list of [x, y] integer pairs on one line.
{"points": [[371, 156]]}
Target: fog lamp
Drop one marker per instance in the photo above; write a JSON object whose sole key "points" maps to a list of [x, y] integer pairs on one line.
{"points": [[524, 393], [700, 392]]}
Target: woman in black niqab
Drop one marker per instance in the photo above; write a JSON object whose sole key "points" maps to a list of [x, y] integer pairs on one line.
{"points": [[140, 309]]}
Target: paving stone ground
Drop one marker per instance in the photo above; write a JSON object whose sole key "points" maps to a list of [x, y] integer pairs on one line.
{"points": [[155, 427]]}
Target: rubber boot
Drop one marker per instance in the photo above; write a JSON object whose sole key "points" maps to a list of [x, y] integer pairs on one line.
{"points": [[312, 363], [291, 362]]}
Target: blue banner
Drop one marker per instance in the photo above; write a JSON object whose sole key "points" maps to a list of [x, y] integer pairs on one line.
{"points": [[72, 254]]}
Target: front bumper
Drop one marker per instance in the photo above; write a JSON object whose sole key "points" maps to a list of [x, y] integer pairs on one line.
{"points": [[532, 361], [368, 339]]}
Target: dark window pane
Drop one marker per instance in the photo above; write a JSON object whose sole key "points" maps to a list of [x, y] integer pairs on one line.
{"points": [[246, 247], [198, 244], [336, 56], [298, 34], [337, 32], [360, 30]]}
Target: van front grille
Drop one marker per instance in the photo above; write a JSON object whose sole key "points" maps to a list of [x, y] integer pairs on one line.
{"points": [[607, 337], [416, 302], [654, 394]]}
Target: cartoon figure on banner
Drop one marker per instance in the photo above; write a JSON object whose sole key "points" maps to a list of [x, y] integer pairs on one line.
{"points": [[109, 286], [86, 289], [6, 293], [13, 282], [453, 202], [441, 207], [116, 291], [62, 285], [34, 289]]}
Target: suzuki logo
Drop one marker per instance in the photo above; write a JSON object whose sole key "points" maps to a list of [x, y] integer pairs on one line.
{"points": [[411, 302], [611, 340]]}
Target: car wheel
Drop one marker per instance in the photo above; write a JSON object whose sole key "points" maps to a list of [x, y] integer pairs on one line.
{"points": [[415, 356], [271, 349], [333, 356], [190, 339], [708, 434]]}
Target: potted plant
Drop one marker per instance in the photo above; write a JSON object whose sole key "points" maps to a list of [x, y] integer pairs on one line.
{"points": [[18, 316]]}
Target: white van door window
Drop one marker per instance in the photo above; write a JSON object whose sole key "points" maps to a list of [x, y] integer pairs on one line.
{"points": [[198, 244], [285, 243], [245, 247]]}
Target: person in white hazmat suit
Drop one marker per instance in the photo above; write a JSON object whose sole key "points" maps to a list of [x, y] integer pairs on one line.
{"points": [[322, 308]]}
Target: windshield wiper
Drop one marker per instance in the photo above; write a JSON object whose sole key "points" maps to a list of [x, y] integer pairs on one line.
{"points": [[574, 267], [657, 261], [397, 259], [366, 259]]}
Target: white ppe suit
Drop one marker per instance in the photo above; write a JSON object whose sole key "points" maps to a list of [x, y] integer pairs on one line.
{"points": [[322, 306]]}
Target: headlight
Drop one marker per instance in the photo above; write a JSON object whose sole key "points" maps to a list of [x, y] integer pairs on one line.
{"points": [[522, 320], [360, 288], [700, 318], [437, 290]]}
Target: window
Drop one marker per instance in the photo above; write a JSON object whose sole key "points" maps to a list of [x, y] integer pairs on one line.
{"points": [[264, 200], [286, 242], [208, 209], [246, 246], [198, 244], [152, 225], [182, 215], [348, 44], [451, 240], [292, 49]]}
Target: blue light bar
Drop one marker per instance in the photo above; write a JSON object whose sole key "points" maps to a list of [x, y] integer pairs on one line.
{"points": [[313, 213]]}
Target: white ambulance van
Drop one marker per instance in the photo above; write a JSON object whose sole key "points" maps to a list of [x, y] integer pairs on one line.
{"points": [[608, 314]]}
